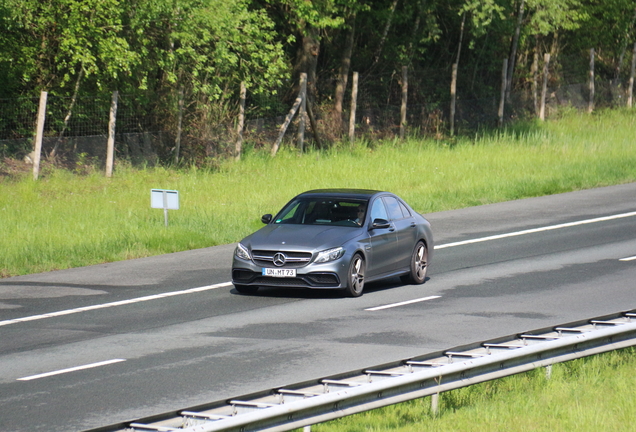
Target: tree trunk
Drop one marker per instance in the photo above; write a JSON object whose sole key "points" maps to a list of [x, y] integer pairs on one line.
{"points": [[544, 89], [502, 98], [70, 111], [405, 92], [454, 77], [621, 58], [630, 91], [385, 33], [343, 74], [416, 27], [535, 77], [513, 51], [308, 60]]}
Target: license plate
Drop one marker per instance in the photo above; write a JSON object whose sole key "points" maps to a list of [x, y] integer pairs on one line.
{"points": [[273, 272]]}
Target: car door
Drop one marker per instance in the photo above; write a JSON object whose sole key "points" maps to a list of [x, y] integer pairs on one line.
{"points": [[383, 242], [405, 230]]}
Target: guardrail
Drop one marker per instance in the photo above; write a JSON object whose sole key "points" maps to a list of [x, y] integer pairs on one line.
{"points": [[308, 403]]}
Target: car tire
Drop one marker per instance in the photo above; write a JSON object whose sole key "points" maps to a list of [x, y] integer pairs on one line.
{"points": [[355, 276], [246, 289], [419, 265]]}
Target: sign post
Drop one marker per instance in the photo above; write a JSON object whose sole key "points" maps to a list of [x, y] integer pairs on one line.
{"points": [[165, 199]]}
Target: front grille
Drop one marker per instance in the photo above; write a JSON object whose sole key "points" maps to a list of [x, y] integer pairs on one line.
{"points": [[270, 281], [312, 280], [292, 259]]}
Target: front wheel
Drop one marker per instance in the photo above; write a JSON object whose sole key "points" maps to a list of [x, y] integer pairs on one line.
{"points": [[419, 265], [246, 289], [355, 277]]}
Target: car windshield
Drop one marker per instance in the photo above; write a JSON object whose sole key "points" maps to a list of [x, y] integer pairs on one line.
{"points": [[323, 211]]}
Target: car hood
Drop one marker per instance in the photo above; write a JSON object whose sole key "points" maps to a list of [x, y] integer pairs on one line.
{"points": [[300, 237]]}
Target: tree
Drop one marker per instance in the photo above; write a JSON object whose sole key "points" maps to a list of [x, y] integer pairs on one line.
{"points": [[49, 41]]}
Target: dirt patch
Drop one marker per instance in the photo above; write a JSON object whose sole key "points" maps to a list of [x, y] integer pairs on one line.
{"points": [[14, 168]]}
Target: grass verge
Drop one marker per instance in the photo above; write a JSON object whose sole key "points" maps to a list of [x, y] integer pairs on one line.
{"points": [[68, 220], [590, 394]]}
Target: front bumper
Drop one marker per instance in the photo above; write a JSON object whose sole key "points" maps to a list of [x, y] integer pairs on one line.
{"points": [[317, 279]]}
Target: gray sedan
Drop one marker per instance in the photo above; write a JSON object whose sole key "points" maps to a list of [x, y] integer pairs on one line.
{"points": [[335, 239]]}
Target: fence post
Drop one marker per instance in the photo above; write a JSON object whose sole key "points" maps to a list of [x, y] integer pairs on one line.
{"points": [[39, 132], [354, 106], [301, 112], [177, 145], [405, 91], [241, 123], [590, 103], [630, 94], [504, 86], [544, 90], [110, 149]]}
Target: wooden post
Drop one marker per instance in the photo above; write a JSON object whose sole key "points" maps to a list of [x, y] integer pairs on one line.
{"points": [[590, 103], [544, 90], [110, 149], [453, 99], [289, 117], [301, 112], [241, 123], [630, 93], [39, 133], [535, 81], [504, 86], [405, 91], [177, 145], [354, 106]]}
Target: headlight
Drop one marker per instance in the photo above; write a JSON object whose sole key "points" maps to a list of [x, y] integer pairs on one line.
{"points": [[330, 255], [242, 253]]}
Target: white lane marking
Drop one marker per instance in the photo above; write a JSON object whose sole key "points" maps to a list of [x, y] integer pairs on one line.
{"points": [[209, 287], [73, 369], [402, 303], [113, 304], [537, 230], [628, 258]]}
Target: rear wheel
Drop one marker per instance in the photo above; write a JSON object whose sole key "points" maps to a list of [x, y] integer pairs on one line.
{"points": [[355, 277], [246, 289], [419, 265]]}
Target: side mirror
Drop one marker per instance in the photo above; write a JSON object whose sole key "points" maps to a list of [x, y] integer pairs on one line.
{"points": [[267, 218], [380, 224]]}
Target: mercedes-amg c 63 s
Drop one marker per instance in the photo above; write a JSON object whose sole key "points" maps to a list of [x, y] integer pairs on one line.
{"points": [[335, 239]]}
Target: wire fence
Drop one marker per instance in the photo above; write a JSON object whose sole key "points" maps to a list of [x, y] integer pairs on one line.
{"points": [[142, 137]]}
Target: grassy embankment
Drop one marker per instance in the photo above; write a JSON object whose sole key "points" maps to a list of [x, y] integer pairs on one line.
{"points": [[66, 220], [593, 394]]}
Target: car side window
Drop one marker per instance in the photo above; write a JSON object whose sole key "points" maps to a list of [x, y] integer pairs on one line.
{"points": [[378, 211], [405, 210], [395, 212]]}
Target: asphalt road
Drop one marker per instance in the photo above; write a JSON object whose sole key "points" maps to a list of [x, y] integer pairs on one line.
{"points": [[93, 346]]}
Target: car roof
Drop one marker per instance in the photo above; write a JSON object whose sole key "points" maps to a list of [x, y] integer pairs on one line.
{"points": [[342, 193]]}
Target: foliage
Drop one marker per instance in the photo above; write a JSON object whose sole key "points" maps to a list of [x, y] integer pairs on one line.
{"points": [[151, 50]]}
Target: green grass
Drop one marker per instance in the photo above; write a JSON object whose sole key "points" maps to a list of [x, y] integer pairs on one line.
{"points": [[593, 394], [66, 220]]}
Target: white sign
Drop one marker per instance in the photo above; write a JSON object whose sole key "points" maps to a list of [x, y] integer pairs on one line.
{"points": [[164, 199]]}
